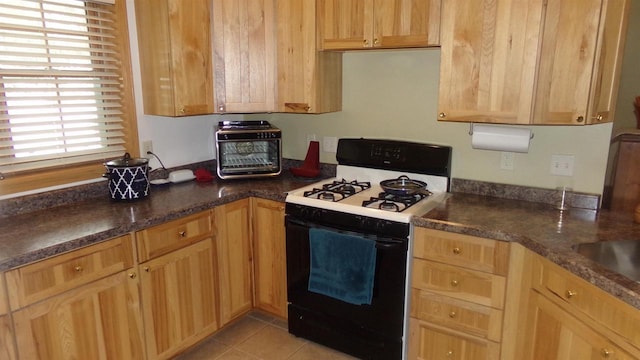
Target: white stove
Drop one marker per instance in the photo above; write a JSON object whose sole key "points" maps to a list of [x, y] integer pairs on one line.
{"points": [[357, 190]]}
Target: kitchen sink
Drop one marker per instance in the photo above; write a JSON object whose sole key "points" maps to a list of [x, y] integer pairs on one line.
{"points": [[621, 256]]}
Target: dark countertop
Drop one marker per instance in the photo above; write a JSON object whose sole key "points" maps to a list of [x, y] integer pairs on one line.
{"points": [[39, 234], [544, 230]]}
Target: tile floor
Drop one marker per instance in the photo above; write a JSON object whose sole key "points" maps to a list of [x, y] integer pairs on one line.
{"points": [[258, 336]]}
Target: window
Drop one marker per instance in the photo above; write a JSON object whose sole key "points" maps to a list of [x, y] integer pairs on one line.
{"points": [[65, 97]]}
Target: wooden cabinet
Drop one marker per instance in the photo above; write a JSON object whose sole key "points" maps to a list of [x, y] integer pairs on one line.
{"points": [[534, 62], [244, 55], [7, 345], [82, 304], [233, 242], [458, 286], [174, 41], [178, 287], [586, 322], [309, 81], [364, 24], [270, 266]]}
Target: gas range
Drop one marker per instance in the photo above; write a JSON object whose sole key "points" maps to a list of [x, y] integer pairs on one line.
{"points": [[357, 190]]}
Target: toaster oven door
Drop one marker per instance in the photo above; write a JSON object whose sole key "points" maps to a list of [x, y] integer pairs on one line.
{"points": [[242, 158]]}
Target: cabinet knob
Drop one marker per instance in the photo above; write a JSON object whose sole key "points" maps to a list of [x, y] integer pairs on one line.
{"points": [[132, 275], [571, 293], [452, 314], [221, 108], [606, 353], [78, 268], [147, 269], [449, 353], [365, 43], [457, 250], [454, 283], [376, 42], [182, 233], [182, 110], [580, 119], [598, 118], [442, 115]]}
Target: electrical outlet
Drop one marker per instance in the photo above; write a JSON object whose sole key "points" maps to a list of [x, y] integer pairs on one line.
{"points": [[506, 160], [146, 147], [330, 144], [562, 165]]}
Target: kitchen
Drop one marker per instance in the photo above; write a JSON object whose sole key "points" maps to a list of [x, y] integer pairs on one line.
{"points": [[393, 104]]}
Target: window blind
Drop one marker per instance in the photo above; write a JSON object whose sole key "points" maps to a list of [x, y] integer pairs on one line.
{"points": [[60, 84]]}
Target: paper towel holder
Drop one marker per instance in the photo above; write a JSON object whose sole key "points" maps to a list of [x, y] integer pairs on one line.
{"points": [[471, 130]]}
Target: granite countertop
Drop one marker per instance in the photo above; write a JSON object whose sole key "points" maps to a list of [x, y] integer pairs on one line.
{"points": [[35, 235], [541, 228]]}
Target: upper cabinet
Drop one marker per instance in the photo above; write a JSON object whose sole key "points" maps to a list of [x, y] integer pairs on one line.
{"points": [[309, 81], [244, 55], [533, 62], [363, 24], [174, 41]]}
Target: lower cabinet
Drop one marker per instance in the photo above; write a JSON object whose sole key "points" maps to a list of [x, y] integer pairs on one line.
{"points": [[270, 265], [100, 320], [233, 242], [7, 345]]}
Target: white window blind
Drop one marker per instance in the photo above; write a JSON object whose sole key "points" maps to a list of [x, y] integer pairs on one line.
{"points": [[60, 84]]}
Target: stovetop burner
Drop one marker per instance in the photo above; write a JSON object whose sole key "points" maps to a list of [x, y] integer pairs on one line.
{"points": [[338, 190], [392, 202]]}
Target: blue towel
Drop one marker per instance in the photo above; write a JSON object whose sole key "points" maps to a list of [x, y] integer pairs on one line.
{"points": [[342, 266]]}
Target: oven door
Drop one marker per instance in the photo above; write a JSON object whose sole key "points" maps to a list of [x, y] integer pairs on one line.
{"points": [[248, 158], [369, 331]]}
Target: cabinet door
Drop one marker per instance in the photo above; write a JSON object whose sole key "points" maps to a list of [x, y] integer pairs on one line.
{"points": [[556, 335], [309, 81], [174, 41], [270, 264], [402, 23], [427, 342], [100, 320], [488, 60], [233, 241], [178, 299], [345, 24], [7, 348], [244, 55]]}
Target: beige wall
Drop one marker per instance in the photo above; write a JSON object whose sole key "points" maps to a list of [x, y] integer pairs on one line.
{"points": [[393, 94]]}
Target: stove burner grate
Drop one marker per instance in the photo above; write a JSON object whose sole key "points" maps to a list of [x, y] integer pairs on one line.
{"points": [[338, 190], [391, 202]]}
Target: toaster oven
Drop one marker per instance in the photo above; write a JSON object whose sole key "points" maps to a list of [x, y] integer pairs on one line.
{"points": [[246, 149]]}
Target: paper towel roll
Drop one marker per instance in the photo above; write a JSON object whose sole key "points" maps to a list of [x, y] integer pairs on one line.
{"points": [[500, 138]]}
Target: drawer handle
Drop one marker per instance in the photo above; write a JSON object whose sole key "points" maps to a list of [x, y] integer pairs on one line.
{"points": [[449, 353], [454, 283], [457, 250], [452, 314], [132, 275], [78, 268], [147, 269], [571, 294], [606, 353], [442, 115], [182, 233]]}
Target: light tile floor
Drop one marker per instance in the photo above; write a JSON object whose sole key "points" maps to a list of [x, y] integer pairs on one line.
{"points": [[258, 336]]}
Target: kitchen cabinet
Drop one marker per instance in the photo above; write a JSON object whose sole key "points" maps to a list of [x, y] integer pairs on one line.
{"points": [[244, 55], [535, 62], [7, 346], [174, 42], [367, 24], [83, 304], [458, 287], [270, 266], [235, 259], [309, 81], [567, 317], [178, 286]]}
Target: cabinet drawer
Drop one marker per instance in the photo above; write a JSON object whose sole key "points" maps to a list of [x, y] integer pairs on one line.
{"points": [[37, 281], [581, 298], [173, 235], [462, 250], [479, 320], [427, 342], [464, 284]]}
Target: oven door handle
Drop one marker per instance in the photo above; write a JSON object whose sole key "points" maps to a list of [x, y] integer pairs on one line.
{"points": [[381, 242]]}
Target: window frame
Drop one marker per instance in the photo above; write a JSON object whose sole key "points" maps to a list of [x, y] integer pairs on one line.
{"points": [[73, 173]]}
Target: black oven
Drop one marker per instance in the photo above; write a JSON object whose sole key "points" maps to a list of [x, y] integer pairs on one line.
{"points": [[368, 331]]}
